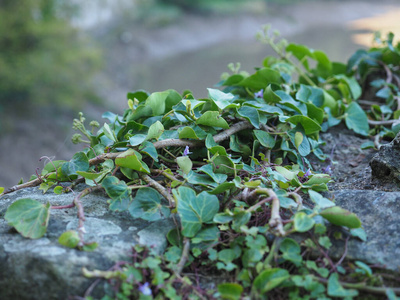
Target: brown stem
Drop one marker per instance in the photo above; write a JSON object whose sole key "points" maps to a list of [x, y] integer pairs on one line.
{"points": [[276, 221], [184, 257], [159, 188]]}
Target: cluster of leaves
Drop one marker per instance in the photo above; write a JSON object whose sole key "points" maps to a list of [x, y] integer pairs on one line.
{"points": [[234, 168], [378, 72]]}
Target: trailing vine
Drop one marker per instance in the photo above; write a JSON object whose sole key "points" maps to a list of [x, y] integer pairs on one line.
{"points": [[233, 171]]}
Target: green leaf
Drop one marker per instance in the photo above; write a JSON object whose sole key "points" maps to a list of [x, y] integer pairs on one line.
{"points": [[155, 131], [79, 162], [149, 149], [108, 132], [356, 119], [223, 165], [341, 217], [302, 222], [250, 114], [118, 192], [360, 233], [69, 239], [58, 190], [89, 247], [319, 200], [291, 251], [270, 96], [194, 210], [309, 125], [213, 119], [1, 190], [262, 78], [90, 175], [264, 138], [208, 169], [137, 139], [188, 133], [29, 217], [325, 242], [230, 291], [270, 279], [133, 160], [335, 289], [156, 101], [310, 94], [184, 163], [147, 205], [221, 99]]}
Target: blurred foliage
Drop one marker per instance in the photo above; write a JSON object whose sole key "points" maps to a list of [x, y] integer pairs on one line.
{"points": [[43, 59]]}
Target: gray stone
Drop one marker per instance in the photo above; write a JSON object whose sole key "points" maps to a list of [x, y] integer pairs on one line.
{"points": [[43, 269], [385, 165], [379, 212]]}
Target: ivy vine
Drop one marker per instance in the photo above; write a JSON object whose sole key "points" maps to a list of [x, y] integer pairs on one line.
{"points": [[233, 171]]}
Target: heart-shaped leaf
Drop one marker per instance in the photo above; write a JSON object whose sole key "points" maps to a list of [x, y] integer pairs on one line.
{"points": [[133, 160], [302, 222], [29, 217], [213, 119], [118, 192], [147, 205], [270, 279], [194, 210]]}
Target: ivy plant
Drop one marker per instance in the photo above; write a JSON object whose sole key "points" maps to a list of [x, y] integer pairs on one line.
{"points": [[233, 170]]}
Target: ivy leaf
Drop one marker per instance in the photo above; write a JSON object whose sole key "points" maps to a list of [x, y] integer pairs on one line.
{"points": [[208, 169], [319, 200], [250, 114], [309, 125], [155, 131], [147, 205], [194, 210], [118, 192], [341, 217], [137, 139], [261, 79], [29, 217], [302, 222], [184, 163], [133, 160], [156, 101], [264, 138], [69, 239], [356, 119], [291, 251], [150, 150], [212, 119], [230, 291], [335, 289], [79, 162], [108, 132], [221, 99], [270, 279]]}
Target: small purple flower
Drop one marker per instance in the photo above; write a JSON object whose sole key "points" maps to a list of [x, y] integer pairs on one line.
{"points": [[145, 290], [308, 173], [259, 94], [327, 169], [186, 151]]}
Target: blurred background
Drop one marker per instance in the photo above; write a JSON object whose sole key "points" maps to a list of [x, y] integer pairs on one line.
{"points": [[59, 57]]}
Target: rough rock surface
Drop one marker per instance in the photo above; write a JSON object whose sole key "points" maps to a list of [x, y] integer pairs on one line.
{"points": [[378, 211], [43, 269], [386, 163]]}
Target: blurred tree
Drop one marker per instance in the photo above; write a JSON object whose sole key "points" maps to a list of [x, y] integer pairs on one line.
{"points": [[43, 59]]}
